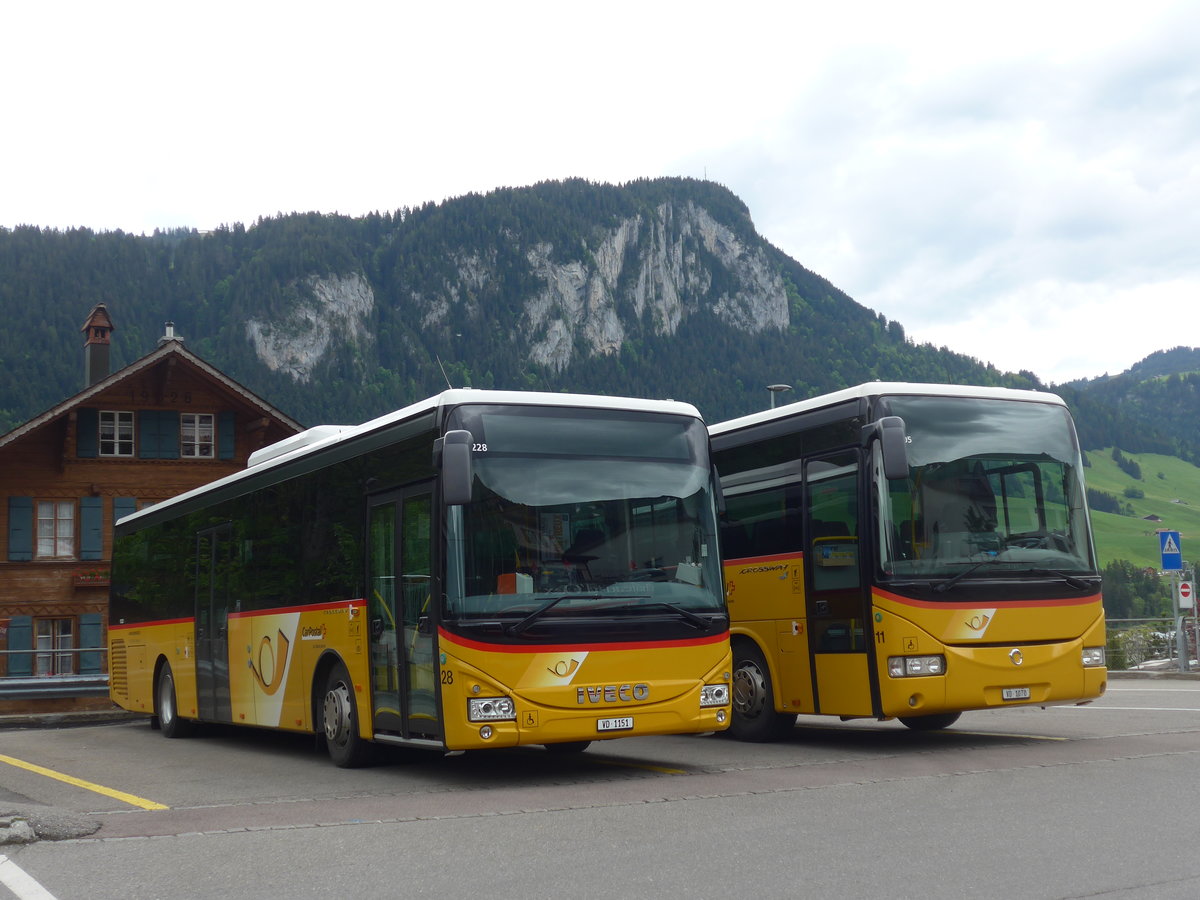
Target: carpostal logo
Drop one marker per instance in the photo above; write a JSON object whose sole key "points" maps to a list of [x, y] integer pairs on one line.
{"points": [[314, 632], [755, 570]]}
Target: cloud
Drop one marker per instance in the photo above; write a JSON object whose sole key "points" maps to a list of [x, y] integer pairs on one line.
{"points": [[1018, 183]]}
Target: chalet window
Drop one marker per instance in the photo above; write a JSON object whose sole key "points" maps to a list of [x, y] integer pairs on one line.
{"points": [[116, 433], [55, 635], [46, 645], [196, 435], [55, 529]]}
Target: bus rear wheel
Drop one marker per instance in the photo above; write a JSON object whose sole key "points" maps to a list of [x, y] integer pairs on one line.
{"points": [[754, 715], [166, 706], [339, 720], [930, 723]]}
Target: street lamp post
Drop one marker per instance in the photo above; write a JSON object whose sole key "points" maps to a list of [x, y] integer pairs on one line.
{"points": [[777, 389]]}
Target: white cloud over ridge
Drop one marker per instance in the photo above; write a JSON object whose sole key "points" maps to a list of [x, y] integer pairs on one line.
{"points": [[1019, 183]]}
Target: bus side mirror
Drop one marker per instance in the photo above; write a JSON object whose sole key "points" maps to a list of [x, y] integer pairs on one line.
{"points": [[454, 457], [893, 445]]}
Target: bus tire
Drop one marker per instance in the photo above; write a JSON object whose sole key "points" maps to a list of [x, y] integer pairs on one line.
{"points": [[568, 747], [754, 716], [930, 723], [166, 706], [339, 721]]}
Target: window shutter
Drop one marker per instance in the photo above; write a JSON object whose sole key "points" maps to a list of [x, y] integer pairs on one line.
{"points": [[87, 433], [226, 425], [168, 429], [20, 529], [20, 637], [91, 527], [158, 434], [91, 626], [123, 506], [147, 433]]}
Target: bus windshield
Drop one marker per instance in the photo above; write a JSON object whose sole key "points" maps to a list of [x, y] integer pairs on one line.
{"points": [[583, 515], [994, 490]]}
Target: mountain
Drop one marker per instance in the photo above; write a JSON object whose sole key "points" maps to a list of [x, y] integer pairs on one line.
{"points": [[1152, 407], [658, 288]]}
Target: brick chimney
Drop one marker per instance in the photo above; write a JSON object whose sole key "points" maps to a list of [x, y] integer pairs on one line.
{"points": [[98, 327]]}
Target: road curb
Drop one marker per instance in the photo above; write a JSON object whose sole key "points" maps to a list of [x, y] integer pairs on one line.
{"points": [[66, 719]]}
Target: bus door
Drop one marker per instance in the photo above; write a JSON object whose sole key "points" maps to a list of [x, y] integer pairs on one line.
{"points": [[403, 640], [837, 600], [214, 567]]}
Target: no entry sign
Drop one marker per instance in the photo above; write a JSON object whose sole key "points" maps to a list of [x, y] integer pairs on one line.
{"points": [[1187, 595]]}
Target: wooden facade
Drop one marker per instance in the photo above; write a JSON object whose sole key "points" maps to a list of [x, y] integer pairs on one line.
{"points": [[165, 424]]}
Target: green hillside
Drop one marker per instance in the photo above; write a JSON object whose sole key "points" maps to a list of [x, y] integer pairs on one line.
{"points": [[1172, 492]]}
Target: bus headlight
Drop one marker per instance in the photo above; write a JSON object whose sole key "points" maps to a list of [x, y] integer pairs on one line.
{"points": [[908, 666], [490, 709], [714, 695], [1093, 656]]}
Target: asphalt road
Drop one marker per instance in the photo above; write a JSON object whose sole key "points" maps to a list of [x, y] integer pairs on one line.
{"points": [[1094, 801]]}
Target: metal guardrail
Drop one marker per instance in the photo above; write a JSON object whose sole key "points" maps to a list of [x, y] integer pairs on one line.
{"points": [[48, 687], [1143, 643], [32, 687]]}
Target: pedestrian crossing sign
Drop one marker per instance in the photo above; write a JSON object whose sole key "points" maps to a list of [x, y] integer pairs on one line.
{"points": [[1172, 556]]}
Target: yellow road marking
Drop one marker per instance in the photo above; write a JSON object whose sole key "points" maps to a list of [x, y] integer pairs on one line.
{"points": [[624, 765], [1007, 734], [87, 785]]}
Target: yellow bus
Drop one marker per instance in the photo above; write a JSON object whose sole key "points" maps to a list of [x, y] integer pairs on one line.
{"points": [[481, 569], [907, 551]]}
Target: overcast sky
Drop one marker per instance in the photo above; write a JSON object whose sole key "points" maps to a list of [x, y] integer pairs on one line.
{"points": [[1019, 182]]}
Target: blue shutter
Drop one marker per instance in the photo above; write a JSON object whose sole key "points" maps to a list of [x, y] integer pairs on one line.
{"points": [[123, 506], [158, 434], [87, 433], [147, 433], [20, 637], [226, 423], [20, 529], [91, 527], [91, 625], [168, 434]]}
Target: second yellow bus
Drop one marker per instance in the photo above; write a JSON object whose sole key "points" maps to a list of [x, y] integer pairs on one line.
{"points": [[907, 551]]}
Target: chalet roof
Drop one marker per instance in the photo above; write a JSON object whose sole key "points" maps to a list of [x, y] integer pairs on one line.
{"points": [[168, 349]]}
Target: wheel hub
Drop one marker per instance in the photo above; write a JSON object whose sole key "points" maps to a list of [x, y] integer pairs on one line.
{"points": [[337, 714], [749, 691]]}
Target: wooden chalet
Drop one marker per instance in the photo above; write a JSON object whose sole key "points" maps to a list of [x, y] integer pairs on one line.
{"points": [[165, 424]]}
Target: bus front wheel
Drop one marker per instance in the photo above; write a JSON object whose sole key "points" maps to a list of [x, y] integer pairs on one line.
{"points": [[930, 723], [339, 720], [754, 715], [166, 706]]}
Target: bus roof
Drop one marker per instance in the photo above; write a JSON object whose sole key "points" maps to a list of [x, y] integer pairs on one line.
{"points": [[323, 437], [880, 389]]}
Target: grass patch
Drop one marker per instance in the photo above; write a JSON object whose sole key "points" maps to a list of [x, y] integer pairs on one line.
{"points": [[1171, 489]]}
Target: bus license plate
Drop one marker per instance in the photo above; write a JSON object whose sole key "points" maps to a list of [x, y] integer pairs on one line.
{"points": [[1014, 694], [623, 723]]}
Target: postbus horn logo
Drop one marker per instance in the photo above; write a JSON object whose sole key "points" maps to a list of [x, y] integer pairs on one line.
{"points": [[266, 657]]}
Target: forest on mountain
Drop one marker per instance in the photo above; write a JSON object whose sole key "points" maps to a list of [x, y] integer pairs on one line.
{"points": [[451, 293], [211, 284]]}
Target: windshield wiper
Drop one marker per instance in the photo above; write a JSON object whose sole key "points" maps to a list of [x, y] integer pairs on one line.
{"points": [[686, 614], [1077, 583], [523, 625], [1070, 580], [518, 627], [951, 582]]}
